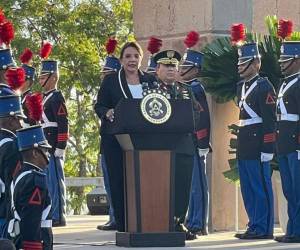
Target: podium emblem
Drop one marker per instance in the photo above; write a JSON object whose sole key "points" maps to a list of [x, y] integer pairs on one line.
{"points": [[155, 107]]}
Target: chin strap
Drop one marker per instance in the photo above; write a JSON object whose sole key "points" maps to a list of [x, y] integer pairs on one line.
{"points": [[249, 63], [187, 71], [47, 80], [289, 65]]}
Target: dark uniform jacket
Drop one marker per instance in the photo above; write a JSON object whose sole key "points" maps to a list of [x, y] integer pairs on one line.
{"points": [[10, 163], [31, 199], [202, 133], [113, 88], [55, 120], [257, 138], [288, 139], [183, 91], [27, 120]]}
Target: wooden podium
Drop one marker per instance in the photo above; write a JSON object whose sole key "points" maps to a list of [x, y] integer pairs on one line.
{"points": [[149, 170]]}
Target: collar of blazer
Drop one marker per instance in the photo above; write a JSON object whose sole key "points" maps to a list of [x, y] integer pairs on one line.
{"points": [[123, 83]]}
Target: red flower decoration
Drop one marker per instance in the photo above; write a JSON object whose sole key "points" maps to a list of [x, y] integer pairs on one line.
{"points": [[154, 45], [45, 50], [7, 32], [2, 17], [191, 39], [15, 77], [285, 28], [34, 104], [111, 45], [26, 56], [238, 33]]}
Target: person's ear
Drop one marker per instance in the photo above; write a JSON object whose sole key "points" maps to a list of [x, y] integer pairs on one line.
{"points": [[157, 68], [35, 153]]}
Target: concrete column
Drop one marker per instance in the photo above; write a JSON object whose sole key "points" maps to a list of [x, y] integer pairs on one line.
{"points": [[171, 20]]}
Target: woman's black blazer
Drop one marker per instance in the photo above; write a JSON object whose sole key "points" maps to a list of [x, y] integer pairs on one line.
{"points": [[114, 87]]}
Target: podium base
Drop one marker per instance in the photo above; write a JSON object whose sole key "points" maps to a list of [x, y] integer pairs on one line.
{"points": [[170, 239]]}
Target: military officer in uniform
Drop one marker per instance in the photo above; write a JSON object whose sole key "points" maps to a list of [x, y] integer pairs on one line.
{"points": [[197, 217], [288, 138], [112, 64], [167, 67], [56, 128], [30, 227], [256, 143]]}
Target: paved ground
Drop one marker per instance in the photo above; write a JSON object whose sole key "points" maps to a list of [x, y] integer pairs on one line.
{"points": [[81, 233]]}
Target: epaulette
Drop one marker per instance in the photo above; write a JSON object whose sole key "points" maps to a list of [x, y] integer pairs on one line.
{"points": [[262, 79], [58, 94]]}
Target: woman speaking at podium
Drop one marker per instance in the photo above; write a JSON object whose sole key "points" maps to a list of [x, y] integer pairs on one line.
{"points": [[126, 83]]}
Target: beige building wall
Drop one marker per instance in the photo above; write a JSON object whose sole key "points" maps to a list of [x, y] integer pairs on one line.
{"points": [[170, 20]]}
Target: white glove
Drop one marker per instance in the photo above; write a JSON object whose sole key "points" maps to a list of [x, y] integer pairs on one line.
{"points": [[60, 153], [265, 157], [203, 151], [298, 154]]}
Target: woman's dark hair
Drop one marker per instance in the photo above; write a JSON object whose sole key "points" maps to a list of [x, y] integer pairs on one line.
{"points": [[133, 45]]}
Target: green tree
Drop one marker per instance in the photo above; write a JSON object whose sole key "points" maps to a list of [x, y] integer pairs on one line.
{"points": [[78, 31]]}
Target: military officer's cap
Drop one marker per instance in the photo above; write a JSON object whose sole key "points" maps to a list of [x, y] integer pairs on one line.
{"points": [[49, 67], [5, 90], [168, 57], [248, 52], [10, 105], [29, 71], [6, 59], [32, 137], [112, 64], [192, 58], [289, 50], [151, 68]]}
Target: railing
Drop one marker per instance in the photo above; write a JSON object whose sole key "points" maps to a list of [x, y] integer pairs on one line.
{"points": [[84, 181]]}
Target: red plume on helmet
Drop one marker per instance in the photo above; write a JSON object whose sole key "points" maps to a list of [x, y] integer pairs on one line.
{"points": [[111, 45], [26, 56], [154, 45], [15, 77], [191, 39], [238, 33], [34, 104], [45, 50], [285, 28], [7, 32], [2, 16]]}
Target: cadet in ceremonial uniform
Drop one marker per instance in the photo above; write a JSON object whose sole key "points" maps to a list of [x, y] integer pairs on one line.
{"points": [[10, 120], [256, 143], [26, 89], [30, 227], [288, 138], [167, 66], [56, 128], [197, 217], [112, 64]]}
